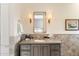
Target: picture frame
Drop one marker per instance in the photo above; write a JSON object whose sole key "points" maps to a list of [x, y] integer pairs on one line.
{"points": [[71, 24]]}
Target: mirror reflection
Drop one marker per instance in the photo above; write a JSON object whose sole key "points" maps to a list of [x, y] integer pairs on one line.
{"points": [[39, 22]]}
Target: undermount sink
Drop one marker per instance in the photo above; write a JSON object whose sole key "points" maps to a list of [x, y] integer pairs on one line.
{"points": [[39, 40]]}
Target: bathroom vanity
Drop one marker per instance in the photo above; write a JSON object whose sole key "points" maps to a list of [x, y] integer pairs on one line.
{"points": [[40, 48]]}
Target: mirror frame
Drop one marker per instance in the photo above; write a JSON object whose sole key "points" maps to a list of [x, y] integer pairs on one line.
{"points": [[44, 21]]}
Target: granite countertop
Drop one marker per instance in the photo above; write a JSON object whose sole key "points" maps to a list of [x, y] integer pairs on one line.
{"points": [[47, 41]]}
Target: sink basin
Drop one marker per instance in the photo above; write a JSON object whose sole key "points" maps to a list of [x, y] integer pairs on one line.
{"points": [[39, 40]]}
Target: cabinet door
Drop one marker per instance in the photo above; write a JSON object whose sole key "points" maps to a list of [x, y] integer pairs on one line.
{"points": [[40, 50], [45, 50], [55, 50], [35, 50]]}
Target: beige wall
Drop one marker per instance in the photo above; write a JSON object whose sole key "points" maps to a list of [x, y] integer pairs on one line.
{"points": [[59, 13]]}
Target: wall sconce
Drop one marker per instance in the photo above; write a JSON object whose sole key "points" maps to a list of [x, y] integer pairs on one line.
{"points": [[30, 20], [49, 18], [49, 21]]}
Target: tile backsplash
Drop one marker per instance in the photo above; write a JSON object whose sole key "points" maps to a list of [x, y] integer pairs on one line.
{"points": [[70, 44]]}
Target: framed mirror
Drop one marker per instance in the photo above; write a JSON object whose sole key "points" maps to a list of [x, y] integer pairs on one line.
{"points": [[39, 22]]}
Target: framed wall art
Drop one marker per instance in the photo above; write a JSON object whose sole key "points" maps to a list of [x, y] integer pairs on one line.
{"points": [[71, 24]]}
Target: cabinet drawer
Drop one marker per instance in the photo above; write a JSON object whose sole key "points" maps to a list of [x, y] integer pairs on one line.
{"points": [[25, 53], [55, 49], [24, 47], [55, 46]]}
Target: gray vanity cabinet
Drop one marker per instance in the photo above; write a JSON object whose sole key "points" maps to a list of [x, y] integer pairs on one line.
{"points": [[40, 50]]}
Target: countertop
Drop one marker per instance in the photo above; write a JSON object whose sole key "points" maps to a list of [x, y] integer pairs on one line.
{"points": [[40, 41]]}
